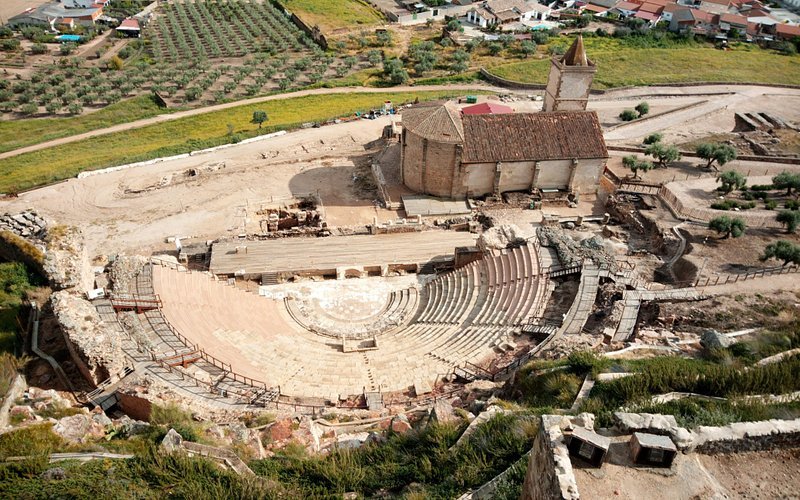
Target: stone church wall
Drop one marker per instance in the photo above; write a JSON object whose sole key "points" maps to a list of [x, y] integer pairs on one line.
{"points": [[428, 166]]}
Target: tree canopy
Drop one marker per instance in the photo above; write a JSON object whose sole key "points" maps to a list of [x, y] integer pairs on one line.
{"points": [[716, 152], [790, 219], [731, 180], [259, 117], [787, 181], [636, 165], [728, 226], [662, 153], [783, 250]]}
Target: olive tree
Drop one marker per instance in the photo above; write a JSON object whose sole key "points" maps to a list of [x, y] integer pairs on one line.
{"points": [[727, 226]]}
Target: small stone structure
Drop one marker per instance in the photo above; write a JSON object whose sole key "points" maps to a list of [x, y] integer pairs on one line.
{"points": [[589, 446], [652, 449]]}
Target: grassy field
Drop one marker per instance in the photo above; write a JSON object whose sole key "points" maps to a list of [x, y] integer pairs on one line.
{"points": [[20, 133], [620, 65], [332, 15], [187, 134]]}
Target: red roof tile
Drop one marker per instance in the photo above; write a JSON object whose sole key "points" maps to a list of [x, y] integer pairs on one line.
{"points": [[486, 108], [533, 136]]}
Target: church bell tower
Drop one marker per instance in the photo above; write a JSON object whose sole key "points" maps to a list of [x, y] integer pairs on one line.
{"points": [[570, 80]]}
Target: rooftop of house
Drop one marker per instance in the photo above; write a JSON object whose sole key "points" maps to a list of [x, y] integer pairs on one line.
{"points": [[651, 8], [628, 6]]}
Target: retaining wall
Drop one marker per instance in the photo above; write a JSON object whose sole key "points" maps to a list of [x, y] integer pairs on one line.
{"points": [[521, 85]]}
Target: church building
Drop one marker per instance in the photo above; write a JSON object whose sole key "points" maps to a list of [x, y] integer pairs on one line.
{"points": [[451, 154]]}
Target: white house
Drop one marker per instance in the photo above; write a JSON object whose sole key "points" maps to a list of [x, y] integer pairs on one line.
{"points": [[536, 11]]}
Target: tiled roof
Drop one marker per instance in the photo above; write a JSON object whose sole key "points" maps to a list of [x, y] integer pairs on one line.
{"points": [[595, 8], [532, 137], [437, 122], [628, 6], [651, 8], [129, 23], [648, 16], [485, 108], [787, 30]]}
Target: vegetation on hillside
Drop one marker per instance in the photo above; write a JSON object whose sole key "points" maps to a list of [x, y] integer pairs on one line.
{"points": [[15, 134], [647, 61]]}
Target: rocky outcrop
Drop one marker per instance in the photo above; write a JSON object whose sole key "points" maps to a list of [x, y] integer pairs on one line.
{"points": [[124, 271], [713, 339], [96, 350], [443, 412], [80, 428], [500, 237], [67, 260]]}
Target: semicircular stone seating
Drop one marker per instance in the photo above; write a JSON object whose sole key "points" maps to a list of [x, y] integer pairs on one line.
{"points": [[458, 317]]}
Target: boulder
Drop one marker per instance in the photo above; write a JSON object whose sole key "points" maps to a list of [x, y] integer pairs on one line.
{"points": [[280, 430], [712, 339], [585, 420], [54, 474], [646, 422], [22, 414], [442, 412], [172, 441], [79, 428], [682, 438], [101, 418], [400, 424]]}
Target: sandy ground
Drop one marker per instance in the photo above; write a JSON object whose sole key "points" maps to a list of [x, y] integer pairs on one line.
{"points": [[763, 474], [10, 8], [116, 218]]}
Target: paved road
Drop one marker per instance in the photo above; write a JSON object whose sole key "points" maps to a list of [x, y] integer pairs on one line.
{"points": [[209, 109]]}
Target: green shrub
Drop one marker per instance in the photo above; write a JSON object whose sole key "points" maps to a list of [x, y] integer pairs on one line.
{"points": [[733, 205]]}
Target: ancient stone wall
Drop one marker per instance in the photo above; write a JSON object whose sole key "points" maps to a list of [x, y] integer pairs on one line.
{"points": [[549, 474], [747, 436], [95, 349], [429, 166]]}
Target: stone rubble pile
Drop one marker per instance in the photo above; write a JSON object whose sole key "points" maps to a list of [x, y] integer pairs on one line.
{"points": [[572, 252], [27, 224]]}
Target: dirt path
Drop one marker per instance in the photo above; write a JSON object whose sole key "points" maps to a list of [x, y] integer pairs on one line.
{"points": [[209, 109]]}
